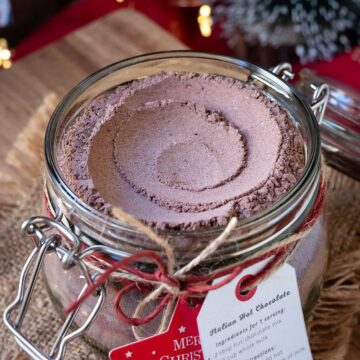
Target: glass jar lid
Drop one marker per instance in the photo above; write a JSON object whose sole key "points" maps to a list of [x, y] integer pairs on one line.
{"points": [[340, 126]]}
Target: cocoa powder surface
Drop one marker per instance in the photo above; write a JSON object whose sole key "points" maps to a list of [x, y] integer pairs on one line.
{"points": [[182, 151]]}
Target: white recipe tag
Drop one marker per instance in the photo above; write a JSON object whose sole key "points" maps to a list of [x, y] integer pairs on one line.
{"points": [[265, 324]]}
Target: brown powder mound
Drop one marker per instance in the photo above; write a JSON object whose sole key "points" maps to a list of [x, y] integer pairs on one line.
{"points": [[182, 151]]}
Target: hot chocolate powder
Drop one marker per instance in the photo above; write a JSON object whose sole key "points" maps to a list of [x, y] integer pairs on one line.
{"points": [[182, 151]]}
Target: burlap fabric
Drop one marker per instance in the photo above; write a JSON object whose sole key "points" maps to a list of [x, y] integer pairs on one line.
{"points": [[330, 325]]}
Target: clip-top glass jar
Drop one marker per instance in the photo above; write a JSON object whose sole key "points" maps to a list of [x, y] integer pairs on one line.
{"points": [[340, 127], [80, 226]]}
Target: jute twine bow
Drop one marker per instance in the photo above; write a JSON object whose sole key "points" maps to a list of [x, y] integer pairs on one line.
{"points": [[166, 284]]}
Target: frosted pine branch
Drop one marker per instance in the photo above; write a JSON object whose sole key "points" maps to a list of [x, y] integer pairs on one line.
{"points": [[317, 29]]}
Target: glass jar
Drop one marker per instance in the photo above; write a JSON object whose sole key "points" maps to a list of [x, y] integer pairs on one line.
{"points": [[88, 227], [340, 127]]}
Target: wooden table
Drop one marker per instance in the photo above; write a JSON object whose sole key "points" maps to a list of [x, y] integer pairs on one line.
{"points": [[58, 67]]}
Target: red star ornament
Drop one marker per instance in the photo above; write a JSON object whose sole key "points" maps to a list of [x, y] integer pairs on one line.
{"points": [[180, 342]]}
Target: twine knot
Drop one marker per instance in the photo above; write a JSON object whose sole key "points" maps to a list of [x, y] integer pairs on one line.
{"points": [[165, 284]]}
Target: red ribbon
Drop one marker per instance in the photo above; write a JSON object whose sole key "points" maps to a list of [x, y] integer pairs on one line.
{"points": [[192, 285]]}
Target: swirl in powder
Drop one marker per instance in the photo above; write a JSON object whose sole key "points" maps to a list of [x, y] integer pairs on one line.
{"points": [[182, 151]]}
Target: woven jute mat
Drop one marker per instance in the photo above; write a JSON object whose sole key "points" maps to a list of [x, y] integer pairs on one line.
{"points": [[331, 323]]}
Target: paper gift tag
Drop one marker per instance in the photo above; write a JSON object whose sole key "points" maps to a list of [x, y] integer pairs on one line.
{"points": [[179, 342], [264, 324]]}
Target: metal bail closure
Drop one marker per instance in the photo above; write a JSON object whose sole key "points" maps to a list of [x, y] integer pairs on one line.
{"points": [[321, 91], [319, 100], [284, 71], [37, 227]]}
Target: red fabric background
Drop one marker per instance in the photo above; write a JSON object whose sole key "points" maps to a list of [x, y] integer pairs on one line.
{"points": [[181, 22]]}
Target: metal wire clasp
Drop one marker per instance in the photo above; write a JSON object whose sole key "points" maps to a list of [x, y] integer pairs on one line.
{"points": [[67, 246], [321, 93], [319, 100], [284, 71]]}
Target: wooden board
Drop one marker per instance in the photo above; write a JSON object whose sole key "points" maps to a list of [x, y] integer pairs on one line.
{"points": [[58, 67]]}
